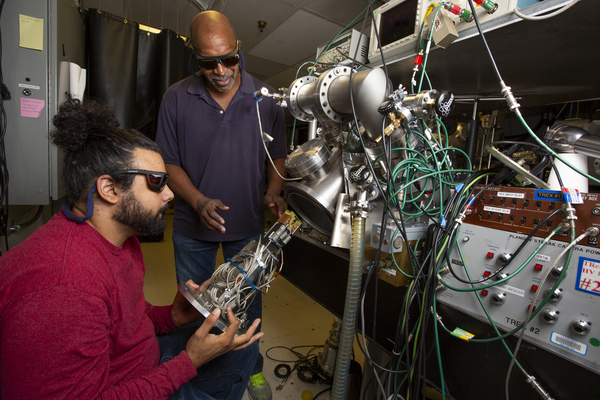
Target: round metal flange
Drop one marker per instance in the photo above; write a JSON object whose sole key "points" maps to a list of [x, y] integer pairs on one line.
{"points": [[309, 158], [292, 100], [323, 84]]}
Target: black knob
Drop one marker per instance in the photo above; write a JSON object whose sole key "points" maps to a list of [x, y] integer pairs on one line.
{"points": [[359, 173], [444, 104], [386, 108]]}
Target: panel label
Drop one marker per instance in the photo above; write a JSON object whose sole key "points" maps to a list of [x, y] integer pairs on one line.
{"points": [[568, 343], [588, 276], [497, 209], [26, 86], [549, 195], [542, 257], [513, 290], [511, 195]]}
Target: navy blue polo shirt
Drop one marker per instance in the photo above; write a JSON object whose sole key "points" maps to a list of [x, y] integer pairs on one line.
{"points": [[222, 153]]}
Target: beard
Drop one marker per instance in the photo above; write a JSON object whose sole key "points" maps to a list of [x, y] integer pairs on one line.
{"points": [[142, 220]]}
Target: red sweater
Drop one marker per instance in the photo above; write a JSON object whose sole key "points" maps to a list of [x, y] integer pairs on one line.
{"points": [[74, 322]]}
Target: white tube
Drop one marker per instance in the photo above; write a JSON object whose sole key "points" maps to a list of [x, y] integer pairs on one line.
{"points": [[570, 178]]}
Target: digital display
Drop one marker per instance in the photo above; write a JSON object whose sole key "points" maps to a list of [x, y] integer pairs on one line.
{"points": [[398, 22]]}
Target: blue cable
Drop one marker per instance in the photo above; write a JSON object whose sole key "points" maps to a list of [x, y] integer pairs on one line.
{"points": [[243, 273]]}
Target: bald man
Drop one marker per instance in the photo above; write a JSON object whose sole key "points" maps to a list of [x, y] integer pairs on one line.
{"points": [[208, 131]]}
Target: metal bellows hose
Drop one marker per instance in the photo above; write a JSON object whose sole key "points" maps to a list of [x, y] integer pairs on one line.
{"points": [[340, 376]]}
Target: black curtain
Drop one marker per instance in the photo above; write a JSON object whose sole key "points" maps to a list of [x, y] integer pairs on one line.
{"points": [[131, 69]]}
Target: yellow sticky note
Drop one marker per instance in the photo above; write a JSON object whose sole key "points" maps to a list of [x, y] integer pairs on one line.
{"points": [[31, 32]]}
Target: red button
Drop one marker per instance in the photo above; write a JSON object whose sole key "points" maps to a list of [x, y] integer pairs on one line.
{"points": [[538, 267], [534, 288], [490, 255], [529, 306], [484, 292], [486, 273]]}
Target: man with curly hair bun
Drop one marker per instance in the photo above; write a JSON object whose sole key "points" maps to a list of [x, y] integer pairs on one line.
{"points": [[74, 323]]}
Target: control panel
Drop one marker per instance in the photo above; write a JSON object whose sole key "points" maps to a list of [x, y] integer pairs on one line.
{"points": [[521, 210], [502, 218]]}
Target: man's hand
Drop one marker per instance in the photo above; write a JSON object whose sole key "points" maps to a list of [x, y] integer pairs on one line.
{"points": [[276, 204], [182, 311], [207, 209], [204, 346]]}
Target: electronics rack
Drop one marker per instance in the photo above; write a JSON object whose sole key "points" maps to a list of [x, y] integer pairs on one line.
{"points": [[342, 50], [500, 219]]}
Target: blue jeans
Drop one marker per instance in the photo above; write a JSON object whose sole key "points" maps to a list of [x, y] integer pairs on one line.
{"points": [[196, 259], [225, 377]]}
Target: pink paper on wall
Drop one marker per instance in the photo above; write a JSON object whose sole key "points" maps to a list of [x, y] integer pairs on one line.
{"points": [[32, 108]]}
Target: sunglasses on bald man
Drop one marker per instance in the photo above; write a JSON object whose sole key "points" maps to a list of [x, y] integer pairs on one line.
{"points": [[156, 180], [227, 60]]}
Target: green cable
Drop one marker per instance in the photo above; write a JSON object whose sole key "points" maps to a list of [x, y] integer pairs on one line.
{"points": [[517, 271], [435, 162], [439, 122], [485, 309], [415, 249], [422, 177], [418, 330], [428, 81], [534, 313], [552, 152], [411, 335], [437, 10], [437, 347]]}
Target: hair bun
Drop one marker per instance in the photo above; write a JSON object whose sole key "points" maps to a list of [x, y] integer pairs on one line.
{"points": [[77, 122]]}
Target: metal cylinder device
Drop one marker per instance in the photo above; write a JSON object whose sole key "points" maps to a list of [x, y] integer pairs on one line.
{"points": [[234, 283], [314, 198], [571, 139], [575, 145], [328, 98]]}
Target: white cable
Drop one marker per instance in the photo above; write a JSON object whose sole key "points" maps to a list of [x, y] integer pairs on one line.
{"points": [[519, 14], [267, 150]]}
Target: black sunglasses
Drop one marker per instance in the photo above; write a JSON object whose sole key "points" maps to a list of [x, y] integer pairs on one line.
{"points": [[228, 60], [156, 180]]}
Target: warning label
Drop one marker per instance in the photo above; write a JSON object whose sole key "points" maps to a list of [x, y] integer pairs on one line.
{"points": [[588, 276]]}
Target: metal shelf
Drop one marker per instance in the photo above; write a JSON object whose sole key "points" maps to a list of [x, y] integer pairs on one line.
{"points": [[545, 62]]}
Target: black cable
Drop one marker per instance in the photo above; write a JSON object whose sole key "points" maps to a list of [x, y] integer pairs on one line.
{"points": [[306, 366], [473, 11], [400, 226], [37, 215], [307, 374], [287, 373], [513, 256], [558, 177], [387, 77], [321, 392]]}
